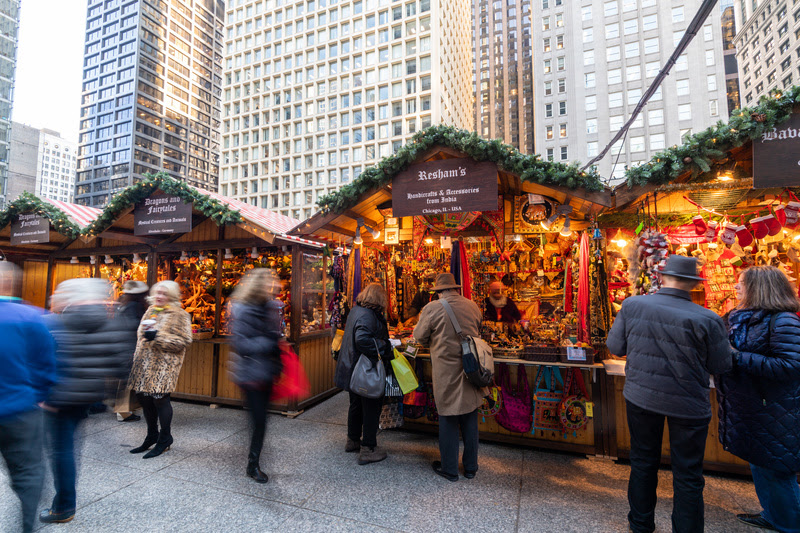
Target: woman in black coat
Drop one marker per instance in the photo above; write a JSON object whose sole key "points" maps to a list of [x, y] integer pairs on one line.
{"points": [[256, 362], [760, 399], [132, 305], [367, 333]]}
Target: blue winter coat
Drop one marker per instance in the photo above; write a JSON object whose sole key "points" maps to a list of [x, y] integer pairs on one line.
{"points": [[759, 400]]}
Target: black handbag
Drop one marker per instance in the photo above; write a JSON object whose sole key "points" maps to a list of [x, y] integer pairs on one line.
{"points": [[368, 378]]}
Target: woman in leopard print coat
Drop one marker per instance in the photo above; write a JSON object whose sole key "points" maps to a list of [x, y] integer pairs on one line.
{"points": [[162, 338]]}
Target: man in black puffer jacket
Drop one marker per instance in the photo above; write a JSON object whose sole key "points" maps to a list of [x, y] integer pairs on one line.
{"points": [[673, 345], [91, 347]]}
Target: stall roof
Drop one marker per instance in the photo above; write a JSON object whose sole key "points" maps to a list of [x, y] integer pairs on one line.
{"points": [[80, 214]]}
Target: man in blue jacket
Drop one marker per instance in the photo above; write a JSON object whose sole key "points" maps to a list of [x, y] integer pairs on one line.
{"points": [[673, 345], [28, 371]]}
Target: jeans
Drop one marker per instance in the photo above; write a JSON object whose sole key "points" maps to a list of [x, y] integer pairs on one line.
{"points": [[687, 441], [62, 427], [448, 442], [362, 420], [257, 401], [21, 437], [779, 495]]}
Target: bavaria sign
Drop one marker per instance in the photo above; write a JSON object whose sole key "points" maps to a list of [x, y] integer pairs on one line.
{"points": [[776, 156], [30, 229], [162, 213], [445, 186]]}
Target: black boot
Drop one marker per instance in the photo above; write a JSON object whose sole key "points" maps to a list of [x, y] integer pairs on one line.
{"points": [[149, 440], [254, 471], [163, 444]]}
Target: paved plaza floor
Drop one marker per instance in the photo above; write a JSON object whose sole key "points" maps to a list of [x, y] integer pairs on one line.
{"points": [[200, 485]]}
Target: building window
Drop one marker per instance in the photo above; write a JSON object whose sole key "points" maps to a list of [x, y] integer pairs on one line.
{"points": [[615, 99], [713, 108], [550, 154], [559, 20], [548, 110], [588, 35], [591, 149], [546, 23], [547, 66], [548, 88], [677, 14], [649, 22], [588, 57], [651, 46], [589, 80], [612, 31], [612, 53], [564, 153], [591, 103], [685, 112], [546, 44], [682, 87], [633, 73], [711, 82], [562, 108], [637, 144], [631, 26], [549, 132], [586, 13], [614, 76], [657, 141], [709, 58], [611, 8], [562, 131], [655, 117], [562, 85], [561, 63]]}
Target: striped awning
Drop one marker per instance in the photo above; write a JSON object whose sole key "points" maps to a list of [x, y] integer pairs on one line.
{"points": [[79, 214]]}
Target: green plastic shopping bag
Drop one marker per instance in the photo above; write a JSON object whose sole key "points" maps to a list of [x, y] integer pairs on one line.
{"points": [[404, 373]]}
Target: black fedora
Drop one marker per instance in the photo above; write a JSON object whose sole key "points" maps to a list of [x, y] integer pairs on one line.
{"points": [[679, 266]]}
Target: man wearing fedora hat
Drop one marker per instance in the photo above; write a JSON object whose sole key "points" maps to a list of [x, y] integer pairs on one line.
{"points": [[456, 399], [672, 347]]}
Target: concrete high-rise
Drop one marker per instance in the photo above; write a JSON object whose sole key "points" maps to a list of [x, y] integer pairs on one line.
{"points": [[9, 33], [503, 71], [593, 59], [41, 162], [316, 90], [152, 80], [767, 47]]}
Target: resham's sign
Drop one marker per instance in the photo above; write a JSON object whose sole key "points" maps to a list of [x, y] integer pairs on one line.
{"points": [[30, 229], [776, 156], [162, 213], [445, 186]]}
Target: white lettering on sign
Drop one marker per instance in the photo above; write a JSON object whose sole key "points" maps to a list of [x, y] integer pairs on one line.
{"points": [[785, 133], [439, 174]]}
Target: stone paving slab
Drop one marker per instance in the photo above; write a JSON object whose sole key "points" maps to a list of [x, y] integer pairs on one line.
{"points": [[199, 485]]}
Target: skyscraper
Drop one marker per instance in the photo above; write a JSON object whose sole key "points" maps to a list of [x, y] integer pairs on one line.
{"points": [[318, 89], [41, 162], [503, 71], [151, 94], [9, 31], [593, 59]]}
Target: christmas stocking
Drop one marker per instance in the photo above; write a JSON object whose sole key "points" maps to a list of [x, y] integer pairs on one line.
{"points": [[760, 228], [744, 236], [728, 234], [773, 225], [699, 224], [711, 232], [792, 212]]}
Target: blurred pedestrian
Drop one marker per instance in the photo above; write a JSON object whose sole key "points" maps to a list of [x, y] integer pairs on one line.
{"points": [[29, 370], [759, 400], [164, 334], [132, 305], [673, 345], [365, 333], [457, 400], [91, 348], [256, 362]]}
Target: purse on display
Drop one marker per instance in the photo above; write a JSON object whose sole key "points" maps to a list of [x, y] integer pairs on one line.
{"points": [[572, 411], [515, 411], [369, 379], [391, 413], [491, 404], [547, 400], [415, 403]]}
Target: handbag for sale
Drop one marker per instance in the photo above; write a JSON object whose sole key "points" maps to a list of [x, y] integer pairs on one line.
{"points": [[391, 413], [368, 379], [572, 410], [547, 400], [515, 411], [491, 404], [415, 403], [392, 389]]}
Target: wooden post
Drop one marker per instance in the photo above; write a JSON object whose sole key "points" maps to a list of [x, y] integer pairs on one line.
{"points": [[152, 266], [49, 289]]}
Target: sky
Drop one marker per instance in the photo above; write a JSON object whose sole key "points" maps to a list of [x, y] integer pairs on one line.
{"points": [[47, 90]]}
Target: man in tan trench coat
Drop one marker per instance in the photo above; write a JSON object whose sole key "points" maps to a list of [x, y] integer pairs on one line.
{"points": [[456, 399]]}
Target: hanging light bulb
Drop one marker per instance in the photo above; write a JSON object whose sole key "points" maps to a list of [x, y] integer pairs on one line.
{"points": [[137, 258], [428, 240], [375, 233], [619, 239], [228, 253], [254, 253], [108, 260], [184, 256], [92, 259], [74, 260], [357, 239], [547, 224], [565, 231]]}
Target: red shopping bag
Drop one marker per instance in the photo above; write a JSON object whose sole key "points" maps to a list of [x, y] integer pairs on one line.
{"points": [[293, 382]]}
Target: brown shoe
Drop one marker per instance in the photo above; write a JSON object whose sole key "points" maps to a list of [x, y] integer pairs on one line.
{"points": [[352, 446], [371, 455]]}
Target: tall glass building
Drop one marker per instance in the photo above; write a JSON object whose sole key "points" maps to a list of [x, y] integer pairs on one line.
{"points": [[152, 80], [9, 31]]}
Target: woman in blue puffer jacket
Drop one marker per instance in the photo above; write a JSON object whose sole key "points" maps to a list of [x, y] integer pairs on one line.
{"points": [[759, 400]]}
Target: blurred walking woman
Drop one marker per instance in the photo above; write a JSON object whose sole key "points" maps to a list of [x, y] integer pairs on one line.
{"points": [[162, 338], [256, 363], [366, 332], [760, 399]]}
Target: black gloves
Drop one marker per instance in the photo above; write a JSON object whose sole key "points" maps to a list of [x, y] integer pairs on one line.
{"points": [[150, 334]]}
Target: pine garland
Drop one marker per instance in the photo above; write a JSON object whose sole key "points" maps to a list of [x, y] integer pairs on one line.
{"points": [[701, 150], [530, 168], [130, 196], [28, 203]]}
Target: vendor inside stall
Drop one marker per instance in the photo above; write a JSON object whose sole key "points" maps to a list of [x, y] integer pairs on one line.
{"points": [[425, 296], [498, 307]]}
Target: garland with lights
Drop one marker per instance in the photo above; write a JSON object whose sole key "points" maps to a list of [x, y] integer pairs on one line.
{"points": [[130, 196], [28, 203], [530, 168], [699, 152]]}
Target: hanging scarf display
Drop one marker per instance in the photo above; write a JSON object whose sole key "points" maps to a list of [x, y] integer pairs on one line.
{"points": [[466, 282], [455, 263], [583, 289], [568, 289], [337, 308], [600, 316]]}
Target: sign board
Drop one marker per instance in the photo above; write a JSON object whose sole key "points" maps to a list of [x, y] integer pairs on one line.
{"points": [[445, 186], [30, 229], [162, 213], [776, 156]]}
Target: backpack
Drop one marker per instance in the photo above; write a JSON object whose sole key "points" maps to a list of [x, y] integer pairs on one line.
{"points": [[476, 354]]}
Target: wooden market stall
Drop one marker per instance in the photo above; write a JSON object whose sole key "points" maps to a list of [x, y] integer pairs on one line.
{"points": [[163, 229], [728, 196], [450, 201]]}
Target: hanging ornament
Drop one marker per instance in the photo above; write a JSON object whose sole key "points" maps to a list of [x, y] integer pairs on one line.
{"points": [[773, 225], [759, 225], [792, 212], [712, 230], [728, 234], [745, 237], [700, 225], [779, 212]]}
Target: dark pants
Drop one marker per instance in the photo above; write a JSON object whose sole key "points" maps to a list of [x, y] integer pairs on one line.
{"points": [[62, 426], [362, 420], [448, 442], [21, 438], [257, 401], [687, 441], [779, 495], [157, 411]]}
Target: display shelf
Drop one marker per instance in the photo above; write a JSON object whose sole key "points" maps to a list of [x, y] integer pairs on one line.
{"points": [[595, 366]]}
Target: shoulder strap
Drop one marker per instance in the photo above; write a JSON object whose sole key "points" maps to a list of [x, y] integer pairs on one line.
{"points": [[452, 316]]}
